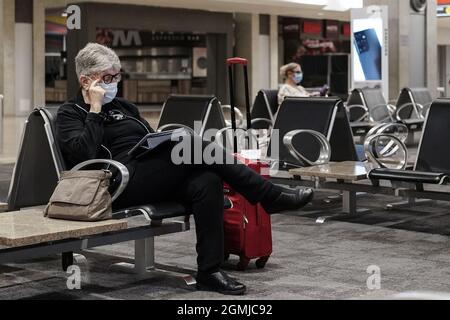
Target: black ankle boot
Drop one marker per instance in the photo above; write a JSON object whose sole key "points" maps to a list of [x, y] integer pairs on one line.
{"points": [[288, 200]]}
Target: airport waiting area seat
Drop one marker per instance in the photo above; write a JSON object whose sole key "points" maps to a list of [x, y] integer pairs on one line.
{"points": [[198, 113], [432, 163], [413, 103], [265, 108], [368, 108], [424, 181], [311, 131], [35, 177]]}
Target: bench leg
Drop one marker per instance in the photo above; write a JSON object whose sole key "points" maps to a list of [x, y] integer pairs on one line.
{"points": [[67, 260], [144, 255], [349, 204], [337, 198], [408, 203], [349, 208], [144, 263], [411, 138]]}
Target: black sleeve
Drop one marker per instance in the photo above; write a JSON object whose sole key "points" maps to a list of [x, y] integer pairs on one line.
{"points": [[79, 137], [137, 114]]}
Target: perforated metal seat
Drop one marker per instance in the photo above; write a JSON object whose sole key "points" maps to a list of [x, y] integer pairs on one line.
{"points": [[413, 103], [325, 116], [264, 109], [186, 111]]}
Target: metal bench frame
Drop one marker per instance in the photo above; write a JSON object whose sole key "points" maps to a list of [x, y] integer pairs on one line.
{"points": [[413, 193], [143, 236]]}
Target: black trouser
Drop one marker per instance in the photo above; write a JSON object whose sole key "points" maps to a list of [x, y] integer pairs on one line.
{"points": [[156, 179]]}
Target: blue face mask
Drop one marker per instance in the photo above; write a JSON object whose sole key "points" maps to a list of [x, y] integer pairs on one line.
{"points": [[111, 91], [298, 78]]}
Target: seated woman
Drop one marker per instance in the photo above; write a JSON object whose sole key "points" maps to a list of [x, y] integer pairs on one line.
{"points": [[96, 121], [293, 76]]}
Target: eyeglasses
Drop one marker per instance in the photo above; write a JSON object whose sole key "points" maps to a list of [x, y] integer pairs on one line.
{"points": [[110, 78]]}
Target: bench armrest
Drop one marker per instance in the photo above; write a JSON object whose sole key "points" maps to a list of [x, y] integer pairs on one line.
{"points": [[423, 109], [239, 115], [122, 169], [416, 109], [325, 147], [395, 143], [249, 136], [358, 106], [264, 120], [175, 126]]}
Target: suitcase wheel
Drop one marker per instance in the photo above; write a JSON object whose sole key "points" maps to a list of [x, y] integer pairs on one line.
{"points": [[243, 264], [261, 262]]}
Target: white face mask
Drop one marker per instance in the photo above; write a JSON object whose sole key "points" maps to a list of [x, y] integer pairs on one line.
{"points": [[111, 92]]}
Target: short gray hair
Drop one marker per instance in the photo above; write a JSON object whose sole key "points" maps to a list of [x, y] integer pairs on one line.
{"points": [[96, 58]]}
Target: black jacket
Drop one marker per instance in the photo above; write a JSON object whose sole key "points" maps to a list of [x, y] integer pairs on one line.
{"points": [[111, 134]]}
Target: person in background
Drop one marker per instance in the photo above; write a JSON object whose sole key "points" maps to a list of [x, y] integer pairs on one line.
{"points": [[293, 76]]}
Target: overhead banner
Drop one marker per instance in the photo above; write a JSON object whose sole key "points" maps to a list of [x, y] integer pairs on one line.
{"points": [[370, 48]]}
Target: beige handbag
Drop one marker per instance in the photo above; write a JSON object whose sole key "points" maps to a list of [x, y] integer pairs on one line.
{"points": [[81, 196]]}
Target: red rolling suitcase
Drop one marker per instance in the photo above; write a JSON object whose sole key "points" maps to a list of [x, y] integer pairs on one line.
{"points": [[247, 227]]}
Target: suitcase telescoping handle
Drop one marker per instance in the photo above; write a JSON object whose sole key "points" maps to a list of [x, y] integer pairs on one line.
{"points": [[231, 63]]}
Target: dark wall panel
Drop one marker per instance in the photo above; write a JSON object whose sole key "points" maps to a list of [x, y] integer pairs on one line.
{"points": [[117, 16], [24, 11]]}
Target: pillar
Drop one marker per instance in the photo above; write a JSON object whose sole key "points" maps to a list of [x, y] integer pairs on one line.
{"points": [[257, 40], [413, 46], [274, 57], [24, 57], [38, 53], [7, 61]]}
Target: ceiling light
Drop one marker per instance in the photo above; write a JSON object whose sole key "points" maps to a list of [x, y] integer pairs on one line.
{"points": [[332, 5], [343, 5]]}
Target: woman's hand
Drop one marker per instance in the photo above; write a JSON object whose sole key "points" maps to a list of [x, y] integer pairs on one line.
{"points": [[96, 95]]}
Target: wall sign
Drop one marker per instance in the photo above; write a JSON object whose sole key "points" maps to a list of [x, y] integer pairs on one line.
{"points": [[370, 48], [117, 38]]}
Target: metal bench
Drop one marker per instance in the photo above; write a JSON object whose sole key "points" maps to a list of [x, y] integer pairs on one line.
{"points": [[36, 175], [413, 103], [427, 180], [368, 108], [187, 110], [265, 109], [433, 160]]}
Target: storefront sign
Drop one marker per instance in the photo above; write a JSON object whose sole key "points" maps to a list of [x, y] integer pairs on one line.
{"points": [[132, 38]]}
